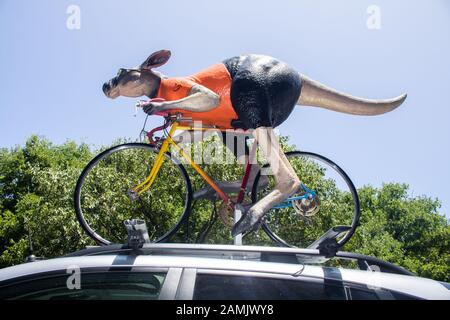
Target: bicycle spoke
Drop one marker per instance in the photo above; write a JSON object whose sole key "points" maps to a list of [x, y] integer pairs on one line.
{"points": [[329, 199]]}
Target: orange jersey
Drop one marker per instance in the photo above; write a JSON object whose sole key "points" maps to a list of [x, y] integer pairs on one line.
{"points": [[217, 79]]}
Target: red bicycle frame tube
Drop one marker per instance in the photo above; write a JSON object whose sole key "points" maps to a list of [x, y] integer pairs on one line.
{"points": [[248, 168]]}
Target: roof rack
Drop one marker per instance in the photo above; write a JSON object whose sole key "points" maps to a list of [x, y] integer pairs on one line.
{"points": [[256, 253], [320, 251]]}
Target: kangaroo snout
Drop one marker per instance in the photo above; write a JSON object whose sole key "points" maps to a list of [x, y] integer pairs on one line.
{"points": [[110, 88], [105, 88]]}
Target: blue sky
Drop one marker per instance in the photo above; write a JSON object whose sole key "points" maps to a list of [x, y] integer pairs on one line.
{"points": [[51, 76]]}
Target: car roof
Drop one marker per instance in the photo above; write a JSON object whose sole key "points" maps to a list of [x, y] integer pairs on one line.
{"points": [[245, 252], [260, 261]]}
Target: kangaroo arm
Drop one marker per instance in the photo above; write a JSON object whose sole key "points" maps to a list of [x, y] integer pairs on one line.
{"points": [[200, 99]]}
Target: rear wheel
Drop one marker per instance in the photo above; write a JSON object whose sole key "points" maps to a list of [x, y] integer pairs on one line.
{"points": [[102, 201], [300, 222]]}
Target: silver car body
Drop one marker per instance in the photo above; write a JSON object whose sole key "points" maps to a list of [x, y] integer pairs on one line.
{"points": [[181, 259]]}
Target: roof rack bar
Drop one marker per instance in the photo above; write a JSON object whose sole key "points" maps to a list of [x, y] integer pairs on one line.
{"points": [[365, 262], [266, 254]]}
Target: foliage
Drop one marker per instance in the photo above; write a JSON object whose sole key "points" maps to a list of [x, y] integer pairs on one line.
{"points": [[36, 192], [37, 183]]}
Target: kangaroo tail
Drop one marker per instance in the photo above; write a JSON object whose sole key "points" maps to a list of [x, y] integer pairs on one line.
{"points": [[318, 95]]}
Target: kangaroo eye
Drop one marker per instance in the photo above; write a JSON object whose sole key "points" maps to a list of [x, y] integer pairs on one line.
{"points": [[120, 72]]}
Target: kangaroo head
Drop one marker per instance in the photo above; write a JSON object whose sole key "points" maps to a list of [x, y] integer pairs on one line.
{"points": [[136, 82]]}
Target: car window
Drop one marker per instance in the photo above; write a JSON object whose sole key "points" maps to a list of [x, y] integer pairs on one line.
{"points": [[226, 287], [93, 286], [378, 294], [401, 296], [361, 294]]}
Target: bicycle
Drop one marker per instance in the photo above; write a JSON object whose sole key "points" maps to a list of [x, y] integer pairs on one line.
{"points": [[144, 179]]}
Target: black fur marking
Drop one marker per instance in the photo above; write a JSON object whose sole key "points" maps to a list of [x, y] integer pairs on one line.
{"points": [[264, 91], [239, 141], [114, 81], [155, 82]]}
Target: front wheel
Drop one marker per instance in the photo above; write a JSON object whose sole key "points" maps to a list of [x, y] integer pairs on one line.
{"points": [[333, 201], [103, 202]]}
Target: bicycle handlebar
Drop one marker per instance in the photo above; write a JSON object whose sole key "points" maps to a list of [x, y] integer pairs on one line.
{"points": [[168, 118]]}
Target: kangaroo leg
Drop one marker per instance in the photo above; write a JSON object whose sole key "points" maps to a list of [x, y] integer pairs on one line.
{"points": [[286, 180], [238, 147]]}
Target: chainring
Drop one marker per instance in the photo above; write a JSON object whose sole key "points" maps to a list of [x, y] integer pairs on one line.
{"points": [[307, 207]]}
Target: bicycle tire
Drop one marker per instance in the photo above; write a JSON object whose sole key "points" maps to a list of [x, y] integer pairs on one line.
{"points": [[354, 194], [114, 150]]}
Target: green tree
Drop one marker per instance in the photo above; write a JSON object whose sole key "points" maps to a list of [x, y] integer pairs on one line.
{"points": [[36, 192], [405, 230], [37, 182]]}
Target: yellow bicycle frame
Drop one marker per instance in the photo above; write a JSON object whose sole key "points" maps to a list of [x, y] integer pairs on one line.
{"points": [[147, 183]]}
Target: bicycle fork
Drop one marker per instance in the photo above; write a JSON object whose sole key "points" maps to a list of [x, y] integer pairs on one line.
{"points": [[147, 183]]}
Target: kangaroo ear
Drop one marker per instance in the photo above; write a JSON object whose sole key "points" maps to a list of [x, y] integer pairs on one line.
{"points": [[156, 59]]}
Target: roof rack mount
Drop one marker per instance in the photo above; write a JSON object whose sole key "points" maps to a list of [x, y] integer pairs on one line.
{"points": [[137, 233], [327, 244]]}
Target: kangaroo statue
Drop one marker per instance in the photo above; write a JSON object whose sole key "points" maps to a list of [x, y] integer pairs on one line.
{"points": [[251, 91]]}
